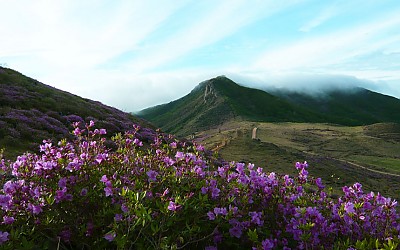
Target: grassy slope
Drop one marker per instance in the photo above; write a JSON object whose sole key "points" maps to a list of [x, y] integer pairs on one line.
{"points": [[190, 113], [231, 101], [257, 105], [351, 107], [335, 153], [31, 111]]}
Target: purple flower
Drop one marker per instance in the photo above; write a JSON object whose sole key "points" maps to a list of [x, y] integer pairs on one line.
{"points": [[179, 155], [35, 209], [3, 237], [110, 236], [303, 174], [8, 220], [267, 244], [198, 170], [318, 181], [66, 235], [9, 187], [349, 208], [101, 157], [118, 217], [211, 248], [172, 206], [240, 167], [62, 183], [152, 175], [137, 142], [84, 192], [300, 166], [104, 179], [235, 231], [124, 208], [256, 218], [220, 211], [68, 197], [77, 131], [233, 209], [108, 191], [108, 184], [166, 191], [103, 131], [60, 195], [211, 215], [215, 192], [217, 237], [168, 161]]}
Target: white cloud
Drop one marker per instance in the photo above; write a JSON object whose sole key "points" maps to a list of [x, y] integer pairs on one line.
{"points": [[70, 43], [213, 25], [76, 34], [303, 82], [319, 19], [329, 50]]}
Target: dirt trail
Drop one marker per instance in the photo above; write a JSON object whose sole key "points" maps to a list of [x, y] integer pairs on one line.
{"points": [[358, 165], [369, 169]]}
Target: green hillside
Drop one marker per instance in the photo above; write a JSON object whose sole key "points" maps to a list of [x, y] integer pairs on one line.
{"points": [[218, 100], [203, 107], [31, 111]]}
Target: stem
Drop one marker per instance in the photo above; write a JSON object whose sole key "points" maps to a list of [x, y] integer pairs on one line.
{"points": [[198, 240]]}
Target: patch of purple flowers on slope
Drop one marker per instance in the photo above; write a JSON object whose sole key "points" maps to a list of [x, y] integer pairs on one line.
{"points": [[172, 191]]}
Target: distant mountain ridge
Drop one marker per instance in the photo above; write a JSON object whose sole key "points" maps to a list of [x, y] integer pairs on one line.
{"points": [[220, 99], [31, 111], [357, 106]]}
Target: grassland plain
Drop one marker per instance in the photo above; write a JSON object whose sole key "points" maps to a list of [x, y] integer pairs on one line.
{"points": [[341, 155]]}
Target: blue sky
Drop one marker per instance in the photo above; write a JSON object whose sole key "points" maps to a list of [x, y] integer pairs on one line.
{"points": [[136, 54]]}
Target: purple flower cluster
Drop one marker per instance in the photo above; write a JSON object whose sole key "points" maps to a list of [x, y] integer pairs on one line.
{"points": [[171, 194]]}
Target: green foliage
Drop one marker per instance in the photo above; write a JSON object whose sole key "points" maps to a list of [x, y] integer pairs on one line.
{"points": [[370, 243]]}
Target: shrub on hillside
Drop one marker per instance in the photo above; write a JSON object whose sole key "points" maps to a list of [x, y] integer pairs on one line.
{"points": [[172, 195]]}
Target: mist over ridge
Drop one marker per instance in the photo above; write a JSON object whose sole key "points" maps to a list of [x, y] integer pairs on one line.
{"points": [[316, 85]]}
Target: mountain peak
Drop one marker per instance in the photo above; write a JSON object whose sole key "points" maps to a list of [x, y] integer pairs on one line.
{"points": [[219, 99], [210, 93]]}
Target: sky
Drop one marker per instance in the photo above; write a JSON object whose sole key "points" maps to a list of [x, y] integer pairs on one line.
{"points": [[136, 54]]}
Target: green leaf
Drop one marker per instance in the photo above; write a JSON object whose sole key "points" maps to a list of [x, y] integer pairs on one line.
{"points": [[252, 234]]}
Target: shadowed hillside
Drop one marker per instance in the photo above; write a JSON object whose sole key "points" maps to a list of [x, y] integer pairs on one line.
{"points": [[31, 111], [351, 107]]}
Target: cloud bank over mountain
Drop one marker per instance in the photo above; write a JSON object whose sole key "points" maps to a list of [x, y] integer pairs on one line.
{"points": [[111, 51]]}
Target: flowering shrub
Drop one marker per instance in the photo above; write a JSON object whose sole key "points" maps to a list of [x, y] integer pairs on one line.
{"points": [[172, 195]]}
